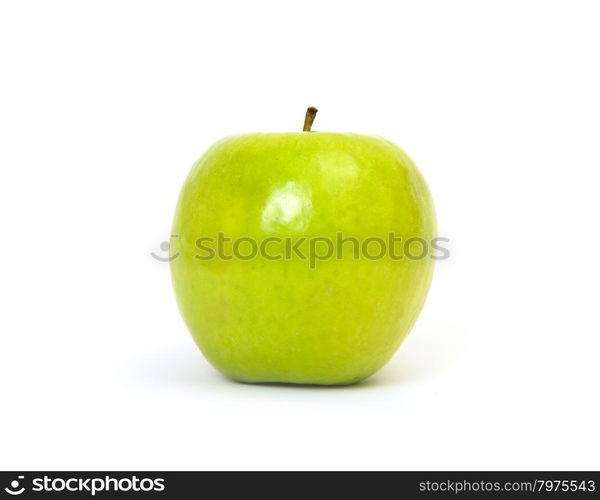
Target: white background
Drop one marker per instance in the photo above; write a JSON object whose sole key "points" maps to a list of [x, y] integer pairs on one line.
{"points": [[104, 106]]}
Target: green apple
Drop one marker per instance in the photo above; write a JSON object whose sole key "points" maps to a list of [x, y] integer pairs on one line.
{"points": [[298, 312]]}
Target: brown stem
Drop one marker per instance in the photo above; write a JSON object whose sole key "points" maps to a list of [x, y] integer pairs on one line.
{"points": [[311, 113]]}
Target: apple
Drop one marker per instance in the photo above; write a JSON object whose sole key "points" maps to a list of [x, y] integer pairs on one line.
{"points": [[286, 315]]}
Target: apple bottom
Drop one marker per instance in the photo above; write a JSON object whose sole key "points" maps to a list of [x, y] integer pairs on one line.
{"points": [[281, 322]]}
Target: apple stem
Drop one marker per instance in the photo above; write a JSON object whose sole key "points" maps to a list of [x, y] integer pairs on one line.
{"points": [[311, 113]]}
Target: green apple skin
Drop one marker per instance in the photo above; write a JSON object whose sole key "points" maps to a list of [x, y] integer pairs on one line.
{"points": [[281, 321]]}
